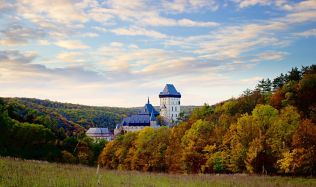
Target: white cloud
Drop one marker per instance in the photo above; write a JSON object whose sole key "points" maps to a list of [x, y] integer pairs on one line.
{"points": [[247, 3], [71, 44], [62, 11], [190, 23], [137, 31], [154, 19], [133, 46], [100, 29], [16, 34], [308, 33], [116, 44], [43, 42], [68, 56], [305, 5], [180, 6], [90, 35], [272, 56], [282, 4]]}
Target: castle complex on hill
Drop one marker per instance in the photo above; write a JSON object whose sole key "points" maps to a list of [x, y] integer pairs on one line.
{"points": [[169, 112]]}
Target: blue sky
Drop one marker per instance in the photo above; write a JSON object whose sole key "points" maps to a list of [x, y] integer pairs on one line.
{"points": [[118, 52]]}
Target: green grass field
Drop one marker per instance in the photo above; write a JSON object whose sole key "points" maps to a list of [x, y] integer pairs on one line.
{"points": [[34, 173]]}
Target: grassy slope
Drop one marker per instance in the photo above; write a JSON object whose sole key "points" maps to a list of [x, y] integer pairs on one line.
{"points": [[34, 173]]}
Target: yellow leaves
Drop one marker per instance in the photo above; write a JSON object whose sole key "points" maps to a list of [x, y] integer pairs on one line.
{"points": [[236, 157], [255, 148], [255, 143], [247, 129], [280, 134], [209, 148], [291, 160], [264, 115], [285, 163]]}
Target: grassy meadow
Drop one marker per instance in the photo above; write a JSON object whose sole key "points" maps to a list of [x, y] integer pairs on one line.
{"points": [[18, 173]]}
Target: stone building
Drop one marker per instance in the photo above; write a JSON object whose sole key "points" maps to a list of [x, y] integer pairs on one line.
{"points": [[99, 133], [169, 112], [146, 117], [170, 103]]}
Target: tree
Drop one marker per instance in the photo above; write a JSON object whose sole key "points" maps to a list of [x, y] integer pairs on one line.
{"points": [[234, 150], [278, 82], [306, 93], [201, 113], [253, 161], [193, 143], [151, 145], [302, 158], [294, 75], [174, 150], [288, 163], [230, 107], [304, 140], [264, 115], [107, 158], [276, 99], [264, 86], [248, 101], [279, 135], [68, 157]]}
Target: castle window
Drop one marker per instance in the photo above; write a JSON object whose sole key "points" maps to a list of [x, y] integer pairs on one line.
{"points": [[179, 102], [171, 108], [171, 115]]}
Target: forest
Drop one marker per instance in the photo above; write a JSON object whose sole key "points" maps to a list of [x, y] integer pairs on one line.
{"points": [[54, 131], [268, 130]]}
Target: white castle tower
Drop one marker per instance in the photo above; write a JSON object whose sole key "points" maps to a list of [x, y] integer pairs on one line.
{"points": [[170, 103]]}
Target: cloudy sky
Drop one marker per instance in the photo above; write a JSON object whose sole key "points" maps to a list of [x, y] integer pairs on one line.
{"points": [[118, 52]]}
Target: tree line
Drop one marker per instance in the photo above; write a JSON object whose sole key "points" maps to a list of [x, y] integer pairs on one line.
{"points": [[268, 130], [54, 131], [30, 134]]}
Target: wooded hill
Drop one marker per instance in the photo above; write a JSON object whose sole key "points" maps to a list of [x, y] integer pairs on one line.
{"points": [[72, 118], [268, 130], [54, 131]]}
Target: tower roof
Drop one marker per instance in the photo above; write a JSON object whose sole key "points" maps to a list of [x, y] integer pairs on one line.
{"points": [[136, 120], [169, 91], [148, 109], [143, 118], [152, 117]]}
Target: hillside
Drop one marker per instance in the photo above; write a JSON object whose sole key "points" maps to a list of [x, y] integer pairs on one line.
{"points": [[268, 130], [54, 131], [72, 117]]}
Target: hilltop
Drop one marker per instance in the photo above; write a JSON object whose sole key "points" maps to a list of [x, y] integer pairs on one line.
{"points": [[49, 130], [71, 117]]}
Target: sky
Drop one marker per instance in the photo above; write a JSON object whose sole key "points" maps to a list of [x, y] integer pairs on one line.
{"points": [[119, 52]]}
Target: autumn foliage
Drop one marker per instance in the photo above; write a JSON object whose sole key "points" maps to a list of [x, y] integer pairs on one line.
{"points": [[269, 130]]}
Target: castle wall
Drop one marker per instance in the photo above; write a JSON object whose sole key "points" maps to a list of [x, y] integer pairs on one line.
{"points": [[170, 107]]}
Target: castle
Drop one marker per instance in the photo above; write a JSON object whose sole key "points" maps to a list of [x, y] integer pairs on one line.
{"points": [[169, 112], [170, 103]]}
